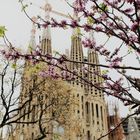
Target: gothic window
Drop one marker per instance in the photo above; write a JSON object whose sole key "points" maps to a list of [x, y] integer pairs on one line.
{"points": [[92, 109], [32, 136], [37, 111], [82, 98], [101, 113], [46, 96], [33, 113], [97, 111], [87, 108], [29, 109], [24, 111], [95, 89], [88, 135]]}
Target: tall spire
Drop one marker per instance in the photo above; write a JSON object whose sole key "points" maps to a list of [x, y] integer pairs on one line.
{"points": [[76, 31], [46, 36], [47, 31], [76, 48], [92, 54], [95, 70], [32, 42], [76, 53]]}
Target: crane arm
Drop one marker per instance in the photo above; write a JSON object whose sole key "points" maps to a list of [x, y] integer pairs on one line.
{"points": [[61, 14], [53, 11]]}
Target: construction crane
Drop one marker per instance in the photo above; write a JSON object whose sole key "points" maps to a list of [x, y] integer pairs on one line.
{"points": [[48, 9]]}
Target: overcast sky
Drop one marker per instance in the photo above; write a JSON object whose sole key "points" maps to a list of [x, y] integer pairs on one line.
{"points": [[19, 26]]}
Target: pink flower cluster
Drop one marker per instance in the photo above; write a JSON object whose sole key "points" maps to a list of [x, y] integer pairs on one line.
{"points": [[115, 87], [11, 54], [79, 5], [51, 72], [115, 62], [88, 43], [134, 26]]}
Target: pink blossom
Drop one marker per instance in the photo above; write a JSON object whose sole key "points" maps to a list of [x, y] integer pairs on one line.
{"points": [[43, 74], [98, 28], [64, 74], [3, 51], [87, 27], [122, 35], [117, 59], [79, 5], [133, 38], [85, 69], [46, 24], [134, 26], [102, 17], [29, 57], [128, 10], [121, 25], [89, 43], [55, 76], [115, 2], [61, 59], [54, 23], [74, 24], [129, 1], [48, 57], [63, 23], [99, 48], [110, 24], [105, 76], [7, 55], [105, 52], [115, 62]]}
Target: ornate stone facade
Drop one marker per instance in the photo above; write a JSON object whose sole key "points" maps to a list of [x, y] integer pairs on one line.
{"points": [[88, 117]]}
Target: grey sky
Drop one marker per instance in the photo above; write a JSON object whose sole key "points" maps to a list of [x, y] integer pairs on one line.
{"points": [[19, 26]]}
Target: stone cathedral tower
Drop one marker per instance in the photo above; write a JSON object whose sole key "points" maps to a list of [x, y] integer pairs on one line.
{"points": [[90, 113]]}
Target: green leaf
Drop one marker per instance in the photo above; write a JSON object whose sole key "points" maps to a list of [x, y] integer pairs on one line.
{"points": [[14, 66], [104, 7], [56, 137], [104, 72], [78, 31], [90, 20], [2, 31], [24, 7], [30, 49], [56, 52], [130, 50]]}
